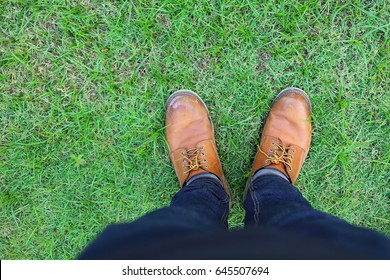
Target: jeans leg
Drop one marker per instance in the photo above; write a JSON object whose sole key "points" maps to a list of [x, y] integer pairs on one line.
{"points": [[273, 201], [201, 206], [206, 199]]}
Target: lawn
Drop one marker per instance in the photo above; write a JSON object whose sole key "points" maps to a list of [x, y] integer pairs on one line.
{"points": [[83, 86]]}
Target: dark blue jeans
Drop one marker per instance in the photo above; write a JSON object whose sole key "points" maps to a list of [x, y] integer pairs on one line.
{"points": [[279, 224]]}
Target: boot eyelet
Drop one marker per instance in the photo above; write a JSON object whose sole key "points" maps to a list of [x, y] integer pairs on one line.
{"points": [[183, 160], [207, 166], [202, 154], [201, 147], [182, 153], [271, 150], [204, 160], [273, 143]]}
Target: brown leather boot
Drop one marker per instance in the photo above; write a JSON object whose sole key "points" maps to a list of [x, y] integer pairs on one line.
{"points": [[286, 136], [190, 136]]}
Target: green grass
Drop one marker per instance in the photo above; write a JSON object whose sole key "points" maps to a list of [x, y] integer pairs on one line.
{"points": [[83, 89]]}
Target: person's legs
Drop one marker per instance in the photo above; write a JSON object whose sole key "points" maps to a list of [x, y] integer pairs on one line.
{"points": [[200, 206], [274, 201], [271, 200], [206, 199]]}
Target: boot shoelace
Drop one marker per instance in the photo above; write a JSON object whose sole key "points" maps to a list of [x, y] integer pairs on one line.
{"points": [[192, 160], [279, 154]]}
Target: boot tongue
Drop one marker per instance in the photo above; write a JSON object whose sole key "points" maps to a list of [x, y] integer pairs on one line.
{"points": [[276, 155]]}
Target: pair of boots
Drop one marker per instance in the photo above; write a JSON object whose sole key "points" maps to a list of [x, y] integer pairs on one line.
{"points": [[279, 222], [283, 147]]}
